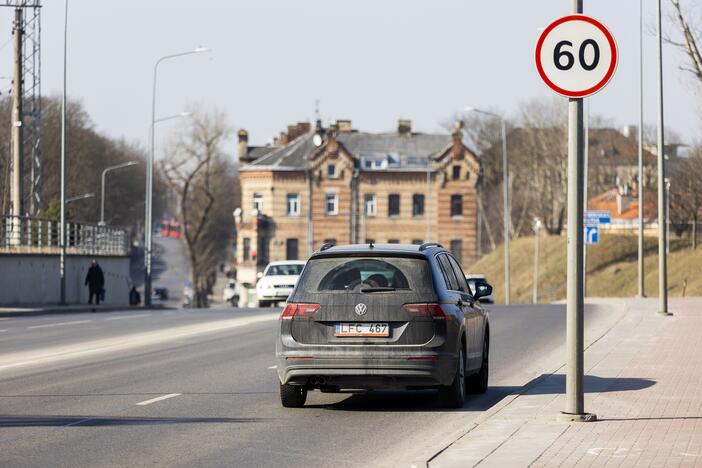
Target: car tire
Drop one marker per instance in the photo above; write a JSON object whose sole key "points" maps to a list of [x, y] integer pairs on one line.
{"points": [[478, 382], [292, 396], [454, 395], [263, 304]]}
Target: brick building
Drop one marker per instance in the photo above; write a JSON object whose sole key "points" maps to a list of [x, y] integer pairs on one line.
{"points": [[343, 186]]}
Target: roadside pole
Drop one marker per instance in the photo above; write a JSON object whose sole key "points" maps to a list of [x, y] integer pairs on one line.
{"points": [[662, 221], [642, 291], [537, 230], [576, 56]]}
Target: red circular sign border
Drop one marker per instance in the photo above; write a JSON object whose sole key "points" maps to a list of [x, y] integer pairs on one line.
{"points": [[608, 76]]}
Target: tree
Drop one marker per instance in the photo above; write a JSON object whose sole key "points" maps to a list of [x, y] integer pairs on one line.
{"points": [[690, 41], [203, 181], [686, 193]]}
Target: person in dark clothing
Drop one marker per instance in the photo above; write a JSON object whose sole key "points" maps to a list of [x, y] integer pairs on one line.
{"points": [[95, 281]]}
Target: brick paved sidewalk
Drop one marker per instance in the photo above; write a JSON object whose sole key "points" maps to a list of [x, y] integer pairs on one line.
{"points": [[644, 383]]}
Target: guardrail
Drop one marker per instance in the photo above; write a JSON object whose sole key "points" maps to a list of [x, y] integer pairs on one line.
{"points": [[23, 234]]}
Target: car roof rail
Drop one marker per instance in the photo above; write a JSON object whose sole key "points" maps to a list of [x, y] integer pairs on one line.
{"points": [[326, 246], [426, 245]]}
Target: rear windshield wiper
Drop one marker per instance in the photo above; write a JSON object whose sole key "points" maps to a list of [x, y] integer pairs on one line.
{"points": [[379, 289]]}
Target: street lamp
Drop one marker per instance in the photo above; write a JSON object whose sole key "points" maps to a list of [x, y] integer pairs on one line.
{"points": [[150, 175], [536, 226], [79, 197], [102, 191], [662, 220], [62, 231], [505, 196]]}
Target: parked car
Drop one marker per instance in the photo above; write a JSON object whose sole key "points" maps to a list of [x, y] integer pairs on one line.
{"points": [[472, 279], [232, 293], [160, 293], [383, 316], [277, 282]]}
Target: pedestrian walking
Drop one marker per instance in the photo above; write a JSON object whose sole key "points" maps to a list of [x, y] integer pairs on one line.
{"points": [[95, 281]]}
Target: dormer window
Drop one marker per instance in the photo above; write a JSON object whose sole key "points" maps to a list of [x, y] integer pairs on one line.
{"points": [[456, 173], [331, 171]]}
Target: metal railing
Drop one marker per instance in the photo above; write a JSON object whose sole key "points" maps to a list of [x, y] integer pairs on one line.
{"points": [[24, 234]]}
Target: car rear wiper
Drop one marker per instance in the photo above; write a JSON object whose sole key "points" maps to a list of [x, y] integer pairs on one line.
{"points": [[380, 289]]}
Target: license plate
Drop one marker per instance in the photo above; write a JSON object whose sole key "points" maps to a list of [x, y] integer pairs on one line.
{"points": [[362, 329]]}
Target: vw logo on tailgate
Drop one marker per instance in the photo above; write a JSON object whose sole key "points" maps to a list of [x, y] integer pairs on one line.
{"points": [[361, 309]]}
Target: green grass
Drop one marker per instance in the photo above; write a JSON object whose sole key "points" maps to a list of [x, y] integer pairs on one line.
{"points": [[611, 265]]}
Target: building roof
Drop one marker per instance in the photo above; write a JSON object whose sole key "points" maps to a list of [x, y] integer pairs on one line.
{"points": [[624, 208], [382, 151]]}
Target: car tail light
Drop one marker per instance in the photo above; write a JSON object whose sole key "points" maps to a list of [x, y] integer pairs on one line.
{"points": [[426, 310], [299, 310]]}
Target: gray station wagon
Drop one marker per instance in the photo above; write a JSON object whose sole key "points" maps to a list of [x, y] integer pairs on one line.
{"points": [[383, 317]]}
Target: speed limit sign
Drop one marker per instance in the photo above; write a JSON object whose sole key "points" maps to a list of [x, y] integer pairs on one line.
{"points": [[576, 56]]}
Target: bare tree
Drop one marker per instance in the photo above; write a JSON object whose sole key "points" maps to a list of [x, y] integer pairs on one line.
{"points": [[690, 41], [202, 179]]}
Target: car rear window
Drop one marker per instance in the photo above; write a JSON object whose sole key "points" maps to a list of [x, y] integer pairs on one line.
{"points": [[344, 274], [284, 270]]}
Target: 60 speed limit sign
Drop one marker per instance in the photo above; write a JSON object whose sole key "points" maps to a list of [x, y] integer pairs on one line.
{"points": [[576, 56]]}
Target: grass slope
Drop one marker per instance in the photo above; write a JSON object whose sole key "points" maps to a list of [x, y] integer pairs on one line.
{"points": [[611, 266]]}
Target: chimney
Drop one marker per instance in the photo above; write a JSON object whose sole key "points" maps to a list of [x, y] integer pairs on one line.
{"points": [[243, 143], [631, 131], [404, 127], [344, 126]]}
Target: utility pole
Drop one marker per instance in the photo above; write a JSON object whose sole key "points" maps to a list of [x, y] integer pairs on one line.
{"points": [[586, 166], [575, 402], [17, 130], [537, 230], [62, 230], [642, 292], [662, 221]]}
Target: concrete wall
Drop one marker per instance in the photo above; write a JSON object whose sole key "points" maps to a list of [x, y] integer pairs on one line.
{"points": [[34, 279]]}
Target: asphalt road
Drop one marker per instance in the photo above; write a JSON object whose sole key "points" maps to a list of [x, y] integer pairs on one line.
{"points": [[197, 388]]}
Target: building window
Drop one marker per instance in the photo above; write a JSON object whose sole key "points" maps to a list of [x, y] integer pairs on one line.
{"points": [[394, 205], [258, 202], [331, 171], [369, 203], [293, 204], [456, 173], [417, 204], [331, 204], [417, 241], [393, 241], [456, 205], [246, 254], [457, 248], [291, 249]]}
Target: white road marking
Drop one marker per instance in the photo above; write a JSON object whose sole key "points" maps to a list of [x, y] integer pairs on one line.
{"points": [[161, 398], [3, 330], [128, 317], [60, 324], [273, 367]]}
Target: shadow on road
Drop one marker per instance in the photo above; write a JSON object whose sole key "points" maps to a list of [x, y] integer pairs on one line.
{"points": [[545, 384], [95, 421]]}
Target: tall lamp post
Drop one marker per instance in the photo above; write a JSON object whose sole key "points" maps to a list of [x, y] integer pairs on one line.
{"points": [[102, 189], [505, 197], [62, 231], [150, 176], [662, 221], [642, 291], [536, 226]]}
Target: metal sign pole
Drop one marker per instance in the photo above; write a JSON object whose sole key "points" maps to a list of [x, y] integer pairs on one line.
{"points": [[575, 402]]}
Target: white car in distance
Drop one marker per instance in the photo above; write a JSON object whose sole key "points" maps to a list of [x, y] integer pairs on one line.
{"points": [[277, 282]]}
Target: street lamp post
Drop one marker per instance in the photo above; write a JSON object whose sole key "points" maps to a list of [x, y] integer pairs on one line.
{"points": [[505, 196], [79, 197], [150, 177], [642, 291], [102, 190], [662, 221], [536, 225], [62, 231]]}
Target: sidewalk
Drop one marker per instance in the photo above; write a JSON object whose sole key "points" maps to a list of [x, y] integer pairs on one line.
{"points": [[644, 383]]}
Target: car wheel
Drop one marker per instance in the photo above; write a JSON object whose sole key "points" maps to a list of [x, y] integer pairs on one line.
{"points": [[292, 396], [262, 303], [454, 395], [478, 383]]}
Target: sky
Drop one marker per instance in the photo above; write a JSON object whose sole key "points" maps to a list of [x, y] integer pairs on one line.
{"points": [[371, 61]]}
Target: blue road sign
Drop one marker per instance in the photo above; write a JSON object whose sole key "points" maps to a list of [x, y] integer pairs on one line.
{"points": [[592, 235], [594, 218]]}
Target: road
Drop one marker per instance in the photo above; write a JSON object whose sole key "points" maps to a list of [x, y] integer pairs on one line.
{"points": [[192, 387]]}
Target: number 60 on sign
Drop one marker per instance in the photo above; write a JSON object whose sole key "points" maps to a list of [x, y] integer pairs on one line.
{"points": [[576, 56]]}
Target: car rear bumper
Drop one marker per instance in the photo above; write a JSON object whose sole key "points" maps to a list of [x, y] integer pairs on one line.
{"points": [[418, 370]]}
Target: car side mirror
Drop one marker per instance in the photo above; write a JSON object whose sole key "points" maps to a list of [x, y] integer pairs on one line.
{"points": [[482, 289]]}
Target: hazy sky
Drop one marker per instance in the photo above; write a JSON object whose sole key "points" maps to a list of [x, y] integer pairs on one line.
{"points": [[372, 61]]}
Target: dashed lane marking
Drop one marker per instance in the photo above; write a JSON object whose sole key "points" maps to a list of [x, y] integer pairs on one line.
{"points": [[60, 324], [161, 398], [273, 367], [122, 317]]}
